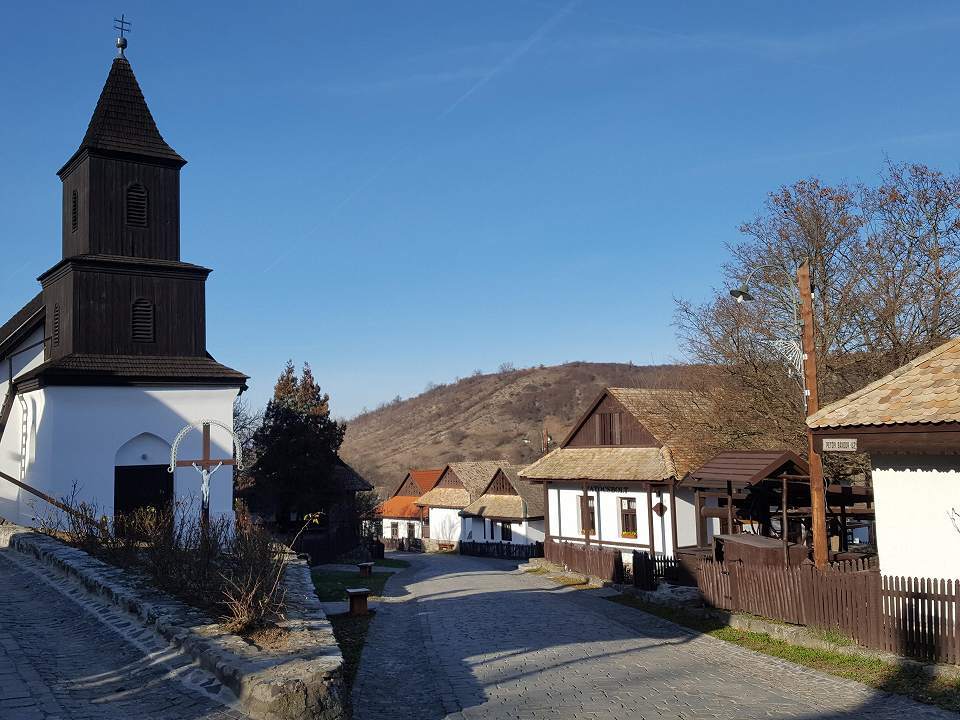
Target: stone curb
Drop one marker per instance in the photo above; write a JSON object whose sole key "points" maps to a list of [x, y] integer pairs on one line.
{"points": [[304, 680]]}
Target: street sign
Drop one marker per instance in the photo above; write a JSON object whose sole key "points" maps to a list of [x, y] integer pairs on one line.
{"points": [[839, 444]]}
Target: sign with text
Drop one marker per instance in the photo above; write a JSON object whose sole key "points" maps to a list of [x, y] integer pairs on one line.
{"points": [[839, 444]]}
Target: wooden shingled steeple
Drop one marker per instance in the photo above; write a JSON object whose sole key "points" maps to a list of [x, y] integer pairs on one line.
{"points": [[122, 122], [121, 307]]}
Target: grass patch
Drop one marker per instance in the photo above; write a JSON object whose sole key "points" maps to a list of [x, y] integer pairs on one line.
{"points": [[332, 584], [897, 678], [351, 634], [393, 563]]}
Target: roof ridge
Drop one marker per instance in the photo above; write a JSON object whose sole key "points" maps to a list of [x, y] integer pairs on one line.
{"points": [[885, 380]]}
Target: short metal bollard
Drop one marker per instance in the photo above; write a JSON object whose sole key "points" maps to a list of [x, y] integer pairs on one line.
{"points": [[358, 600]]}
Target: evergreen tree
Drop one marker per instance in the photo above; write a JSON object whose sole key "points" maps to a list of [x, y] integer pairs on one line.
{"points": [[296, 447]]}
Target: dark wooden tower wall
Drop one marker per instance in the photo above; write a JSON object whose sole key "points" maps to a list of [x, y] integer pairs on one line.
{"points": [[630, 433], [101, 185]]}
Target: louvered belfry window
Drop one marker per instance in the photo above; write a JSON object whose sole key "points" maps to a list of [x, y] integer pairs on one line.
{"points": [[74, 211], [143, 320], [56, 325], [137, 205]]}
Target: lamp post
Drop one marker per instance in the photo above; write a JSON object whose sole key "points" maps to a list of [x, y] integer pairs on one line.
{"points": [[806, 364]]}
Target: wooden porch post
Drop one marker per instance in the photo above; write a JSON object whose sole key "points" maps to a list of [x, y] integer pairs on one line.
{"points": [[650, 519], [698, 510], [673, 517], [585, 513], [546, 512], [729, 507], [784, 524]]}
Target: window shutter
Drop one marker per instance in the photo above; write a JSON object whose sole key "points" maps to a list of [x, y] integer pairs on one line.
{"points": [[617, 424], [137, 205], [143, 321]]}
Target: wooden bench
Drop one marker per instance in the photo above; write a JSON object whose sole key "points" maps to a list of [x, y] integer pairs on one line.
{"points": [[358, 600], [445, 546], [366, 569]]}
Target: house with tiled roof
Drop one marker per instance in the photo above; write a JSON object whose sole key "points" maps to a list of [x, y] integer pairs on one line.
{"points": [[108, 362], [909, 424], [509, 510], [400, 516], [460, 484], [613, 480]]}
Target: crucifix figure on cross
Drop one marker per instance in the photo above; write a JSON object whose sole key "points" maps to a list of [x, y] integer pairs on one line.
{"points": [[206, 465]]}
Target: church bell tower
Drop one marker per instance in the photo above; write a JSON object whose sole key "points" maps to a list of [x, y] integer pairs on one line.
{"points": [[120, 289]]}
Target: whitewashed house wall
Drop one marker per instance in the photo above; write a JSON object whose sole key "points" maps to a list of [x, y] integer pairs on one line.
{"points": [[401, 528], [522, 533], [917, 533], [445, 524]]}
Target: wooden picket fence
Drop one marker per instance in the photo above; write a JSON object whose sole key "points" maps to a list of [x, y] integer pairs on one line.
{"points": [[602, 563], [510, 551], [647, 571], [916, 617]]}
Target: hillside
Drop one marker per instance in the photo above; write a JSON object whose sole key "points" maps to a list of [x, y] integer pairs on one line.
{"points": [[486, 417]]}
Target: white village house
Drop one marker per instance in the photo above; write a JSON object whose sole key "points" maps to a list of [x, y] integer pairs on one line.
{"points": [[459, 485], [510, 510], [909, 423], [612, 482], [108, 362], [400, 516]]}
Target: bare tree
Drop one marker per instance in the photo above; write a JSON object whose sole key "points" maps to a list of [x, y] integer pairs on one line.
{"points": [[885, 263]]}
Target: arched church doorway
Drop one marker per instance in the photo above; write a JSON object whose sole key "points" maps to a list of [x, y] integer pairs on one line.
{"points": [[140, 477]]}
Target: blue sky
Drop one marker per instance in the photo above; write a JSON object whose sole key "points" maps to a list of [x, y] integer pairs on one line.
{"points": [[403, 192]]}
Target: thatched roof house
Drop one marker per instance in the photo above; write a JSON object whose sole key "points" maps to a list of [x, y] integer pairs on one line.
{"points": [[508, 497]]}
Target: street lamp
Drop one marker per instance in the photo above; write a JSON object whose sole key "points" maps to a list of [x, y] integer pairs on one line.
{"points": [[803, 358]]}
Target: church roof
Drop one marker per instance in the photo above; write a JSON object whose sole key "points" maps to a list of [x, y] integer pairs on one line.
{"points": [[122, 122], [80, 369], [10, 330]]}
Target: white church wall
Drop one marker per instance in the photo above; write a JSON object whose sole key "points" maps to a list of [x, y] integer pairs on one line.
{"points": [[85, 431], [917, 533], [16, 450]]}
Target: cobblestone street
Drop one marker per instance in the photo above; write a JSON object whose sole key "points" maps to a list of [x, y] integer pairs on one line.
{"points": [[463, 637], [66, 656]]}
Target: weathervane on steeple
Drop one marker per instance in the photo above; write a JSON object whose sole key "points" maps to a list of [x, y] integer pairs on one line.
{"points": [[123, 25]]}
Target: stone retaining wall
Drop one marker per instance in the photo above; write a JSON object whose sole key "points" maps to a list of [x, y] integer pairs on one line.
{"points": [[302, 680]]}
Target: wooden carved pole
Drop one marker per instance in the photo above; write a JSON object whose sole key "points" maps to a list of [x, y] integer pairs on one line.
{"points": [[817, 500]]}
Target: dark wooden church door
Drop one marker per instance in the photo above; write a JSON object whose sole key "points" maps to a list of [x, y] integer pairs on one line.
{"points": [[139, 486]]}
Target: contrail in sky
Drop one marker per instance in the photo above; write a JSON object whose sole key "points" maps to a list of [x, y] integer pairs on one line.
{"points": [[500, 67], [510, 59]]}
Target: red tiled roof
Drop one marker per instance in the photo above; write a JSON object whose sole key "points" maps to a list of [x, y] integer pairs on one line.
{"points": [[426, 479], [400, 506]]}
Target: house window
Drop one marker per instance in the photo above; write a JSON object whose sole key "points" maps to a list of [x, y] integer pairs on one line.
{"points": [[411, 533], [394, 530], [608, 428], [143, 323], [588, 515], [628, 517], [56, 324], [74, 211], [506, 532], [137, 205]]}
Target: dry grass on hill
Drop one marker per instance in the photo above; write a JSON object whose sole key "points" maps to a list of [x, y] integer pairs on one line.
{"points": [[487, 417]]}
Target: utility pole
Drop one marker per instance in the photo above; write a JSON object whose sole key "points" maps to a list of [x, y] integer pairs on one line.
{"points": [[817, 499]]}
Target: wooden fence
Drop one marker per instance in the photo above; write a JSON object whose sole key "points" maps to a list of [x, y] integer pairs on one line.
{"points": [[916, 617], [647, 571], [502, 550], [603, 563]]}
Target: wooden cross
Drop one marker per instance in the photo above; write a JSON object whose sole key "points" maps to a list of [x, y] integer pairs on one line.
{"points": [[203, 466]]}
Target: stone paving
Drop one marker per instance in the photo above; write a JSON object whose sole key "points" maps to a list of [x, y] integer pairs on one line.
{"points": [[464, 638], [64, 655]]}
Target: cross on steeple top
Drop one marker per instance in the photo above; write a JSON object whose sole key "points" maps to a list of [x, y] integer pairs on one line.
{"points": [[123, 25]]}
